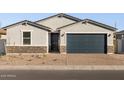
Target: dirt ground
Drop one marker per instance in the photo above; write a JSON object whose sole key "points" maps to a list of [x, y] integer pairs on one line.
{"points": [[63, 59]]}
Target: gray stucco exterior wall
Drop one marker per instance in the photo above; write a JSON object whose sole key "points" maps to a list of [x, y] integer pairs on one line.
{"points": [[85, 29], [39, 39], [56, 22]]}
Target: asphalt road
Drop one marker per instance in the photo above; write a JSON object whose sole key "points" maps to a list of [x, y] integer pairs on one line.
{"points": [[60, 75]]}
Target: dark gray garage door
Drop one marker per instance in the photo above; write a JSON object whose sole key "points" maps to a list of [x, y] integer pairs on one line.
{"points": [[86, 43]]}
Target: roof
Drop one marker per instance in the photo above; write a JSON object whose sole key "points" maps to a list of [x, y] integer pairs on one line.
{"points": [[2, 32], [62, 15], [120, 32], [29, 23], [93, 22]]}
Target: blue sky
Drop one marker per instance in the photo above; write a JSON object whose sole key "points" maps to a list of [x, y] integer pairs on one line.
{"points": [[107, 18]]}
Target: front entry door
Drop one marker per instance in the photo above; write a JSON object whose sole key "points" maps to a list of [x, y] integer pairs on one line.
{"points": [[54, 42]]}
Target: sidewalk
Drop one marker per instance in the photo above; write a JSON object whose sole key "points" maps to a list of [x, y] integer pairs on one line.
{"points": [[63, 67]]}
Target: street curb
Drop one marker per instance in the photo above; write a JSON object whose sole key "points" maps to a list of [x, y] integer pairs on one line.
{"points": [[62, 67]]}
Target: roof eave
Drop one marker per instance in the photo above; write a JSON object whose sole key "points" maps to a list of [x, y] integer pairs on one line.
{"points": [[2, 32], [30, 23], [61, 14], [101, 24], [93, 22], [120, 32]]}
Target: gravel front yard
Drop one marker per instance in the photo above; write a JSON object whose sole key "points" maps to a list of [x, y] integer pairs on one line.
{"points": [[96, 59], [63, 59]]}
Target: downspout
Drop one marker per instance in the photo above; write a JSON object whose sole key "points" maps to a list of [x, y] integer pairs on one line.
{"points": [[115, 42]]}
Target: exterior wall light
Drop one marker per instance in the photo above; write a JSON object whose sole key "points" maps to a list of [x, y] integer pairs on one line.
{"points": [[114, 36], [109, 35], [62, 35]]}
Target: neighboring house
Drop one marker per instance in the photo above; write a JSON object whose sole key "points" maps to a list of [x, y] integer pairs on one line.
{"points": [[2, 41], [2, 34], [120, 41], [60, 33]]}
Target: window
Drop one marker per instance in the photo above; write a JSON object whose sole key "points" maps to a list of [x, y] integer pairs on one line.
{"points": [[26, 38]]}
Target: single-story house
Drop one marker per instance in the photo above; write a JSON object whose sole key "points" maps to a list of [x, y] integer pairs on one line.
{"points": [[120, 41], [60, 33]]}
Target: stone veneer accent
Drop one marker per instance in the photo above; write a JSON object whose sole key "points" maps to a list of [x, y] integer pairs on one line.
{"points": [[110, 49], [115, 46], [62, 49], [26, 49]]}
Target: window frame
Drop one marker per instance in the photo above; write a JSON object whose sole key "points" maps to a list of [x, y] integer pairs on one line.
{"points": [[26, 38]]}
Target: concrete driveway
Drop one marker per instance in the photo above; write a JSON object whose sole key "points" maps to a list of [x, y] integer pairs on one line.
{"points": [[95, 59]]}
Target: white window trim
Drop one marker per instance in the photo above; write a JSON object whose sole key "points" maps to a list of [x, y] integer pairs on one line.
{"points": [[22, 37]]}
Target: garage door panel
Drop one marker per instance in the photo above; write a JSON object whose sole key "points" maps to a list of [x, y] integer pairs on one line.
{"points": [[85, 51], [86, 43]]}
